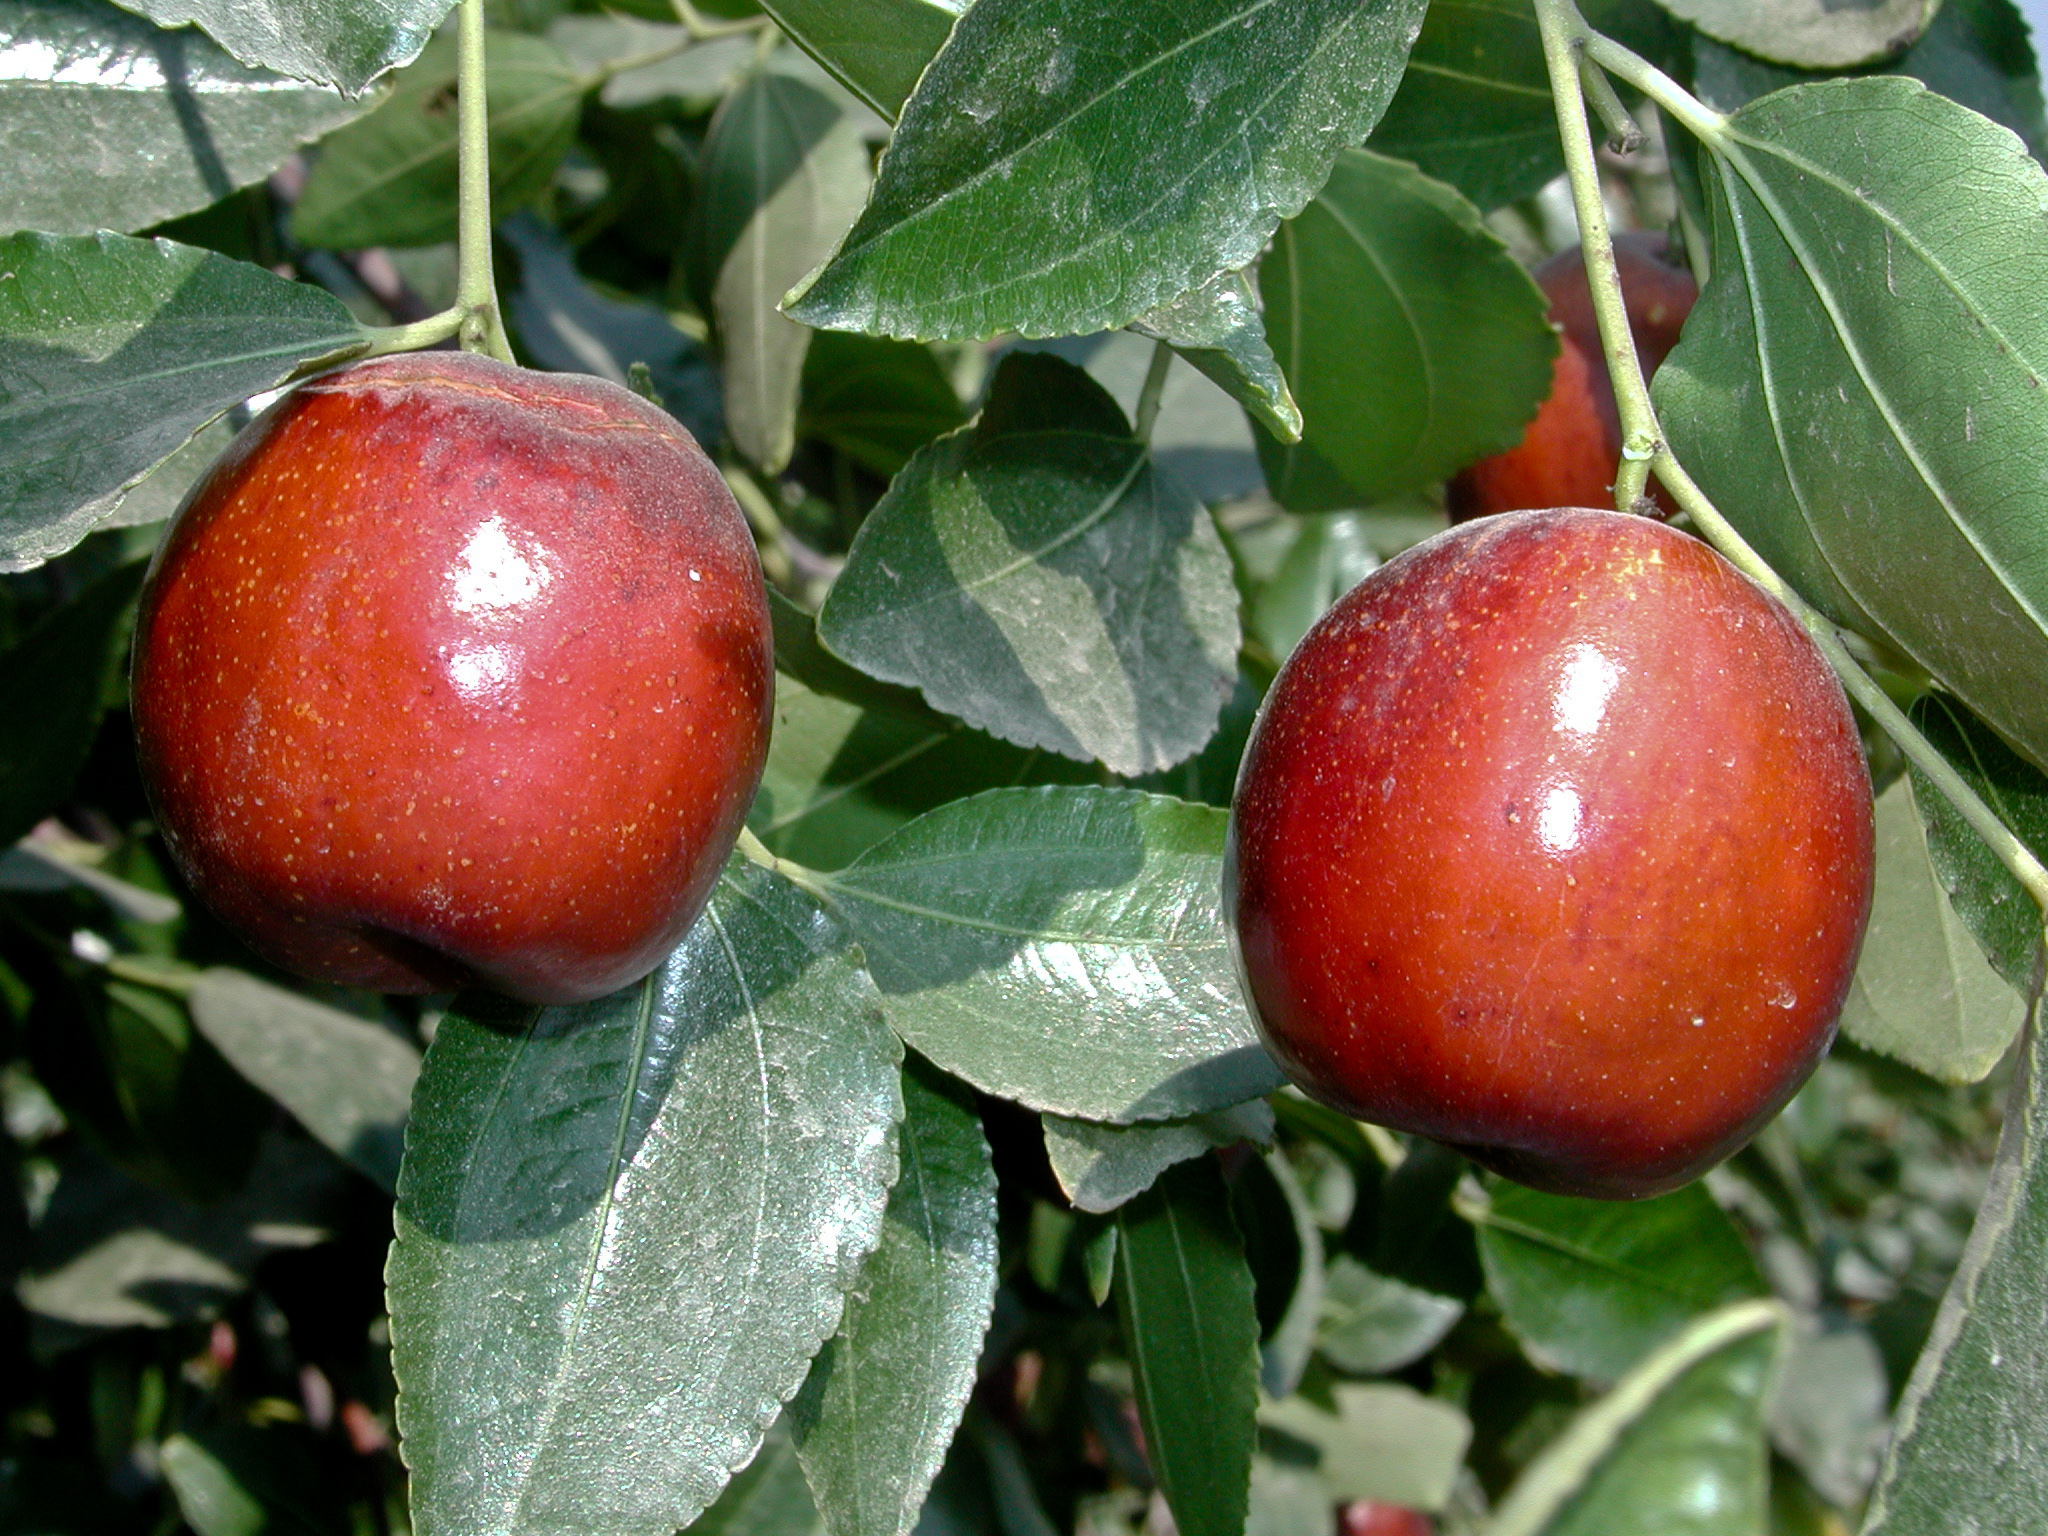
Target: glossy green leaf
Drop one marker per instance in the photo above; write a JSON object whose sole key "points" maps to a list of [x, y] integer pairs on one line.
{"points": [[1063, 948], [877, 48], [1860, 386], [1963, 1452], [115, 351], [1677, 1447], [1102, 1166], [1037, 576], [1924, 992], [1157, 142], [1814, 34], [877, 401], [1589, 1286], [347, 1080], [1379, 1441], [1974, 51], [1414, 341], [624, 1228], [799, 655], [1995, 906], [766, 1497], [1184, 1300], [115, 124], [53, 684], [885, 1395], [783, 173], [1372, 1324], [1218, 328], [342, 43], [697, 75], [389, 178]]}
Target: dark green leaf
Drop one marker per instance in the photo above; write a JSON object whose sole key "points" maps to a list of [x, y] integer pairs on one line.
{"points": [[1372, 1324], [1829, 1415], [1975, 52], [1217, 327], [1157, 143], [1414, 342], [1860, 386], [343, 43], [389, 179], [1923, 991], [1184, 1298], [624, 1228], [783, 174], [1962, 1443], [115, 124], [1814, 34], [1037, 576], [884, 1396], [1102, 1166], [766, 1497], [53, 683], [1676, 1448], [800, 656], [115, 351], [1995, 906], [697, 75], [1378, 1441], [211, 1500], [877, 401], [348, 1081], [878, 48], [1589, 1286], [1063, 948]]}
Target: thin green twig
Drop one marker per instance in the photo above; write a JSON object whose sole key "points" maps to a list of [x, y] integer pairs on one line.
{"points": [[481, 326]]}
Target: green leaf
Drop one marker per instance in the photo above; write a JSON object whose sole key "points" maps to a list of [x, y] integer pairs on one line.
{"points": [[1414, 341], [1860, 385], [625, 1227], [1923, 991], [1677, 1447], [342, 43], [1100, 1167], [114, 352], [1974, 52], [877, 401], [1372, 1324], [1331, 554], [1379, 1441], [389, 179], [800, 656], [696, 75], [1994, 905], [53, 686], [783, 174], [877, 48], [766, 1497], [1961, 1453], [1063, 948], [211, 1500], [1159, 143], [1589, 1286], [1830, 1412], [884, 1396], [1813, 34], [346, 1080], [126, 125], [1037, 576], [1218, 328], [1184, 1300]]}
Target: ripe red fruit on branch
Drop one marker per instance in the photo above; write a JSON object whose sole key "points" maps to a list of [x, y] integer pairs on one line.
{"points": [[1553, 843], [1570, 452], [450, 673]]}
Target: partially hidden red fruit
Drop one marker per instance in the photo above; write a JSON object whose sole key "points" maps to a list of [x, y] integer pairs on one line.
{"points": [[1371, 1517], [1569, 454], [450, 673], [1553, 843]]}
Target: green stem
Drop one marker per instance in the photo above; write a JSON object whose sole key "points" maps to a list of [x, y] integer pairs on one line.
{"points": [[166, 976], [1566, 41], [765, 521], [796, 874], [385, 339], [1154, 387], [1624, 133], [701, 29], [482, 327]]}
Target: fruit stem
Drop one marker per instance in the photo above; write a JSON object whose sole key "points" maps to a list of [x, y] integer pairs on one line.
{"points": [[1154, 387], [1624, 134], [386, 339], [1567, 43], [481, 326]]}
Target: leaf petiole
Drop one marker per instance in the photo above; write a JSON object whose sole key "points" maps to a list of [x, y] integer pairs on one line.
{"points": [[481, 328]]}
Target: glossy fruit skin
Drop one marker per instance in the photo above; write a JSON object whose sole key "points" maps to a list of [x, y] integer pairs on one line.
{"points": [[1569, 453], [1553, 843], [450, 673]]}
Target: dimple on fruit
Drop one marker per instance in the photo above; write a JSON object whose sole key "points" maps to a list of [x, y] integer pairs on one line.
{"points": [[450, 673], [1553, 843]]}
